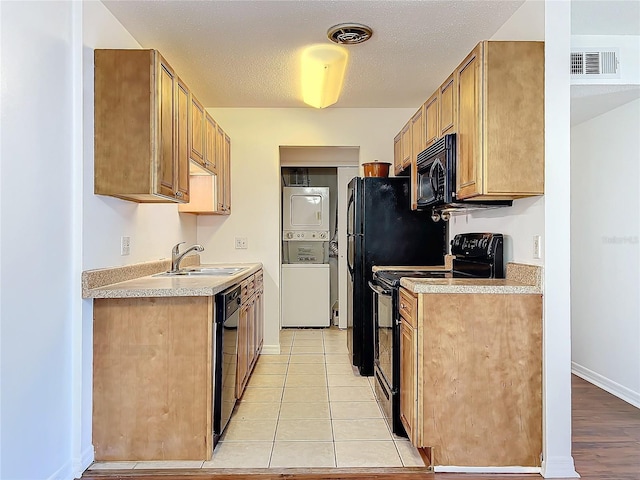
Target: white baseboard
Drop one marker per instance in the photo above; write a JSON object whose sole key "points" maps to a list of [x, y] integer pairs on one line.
{"points": [[65, 472], [456, 469], [270, 349], [559, 467], [620, 391], [88, 455]]}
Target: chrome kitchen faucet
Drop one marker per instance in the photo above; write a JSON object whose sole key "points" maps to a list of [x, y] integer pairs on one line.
{"points": [[176, 256]]}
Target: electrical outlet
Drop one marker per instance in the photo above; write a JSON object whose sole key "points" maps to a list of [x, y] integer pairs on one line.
{"points": [[125, 245], [537, 247], [241, 242]]}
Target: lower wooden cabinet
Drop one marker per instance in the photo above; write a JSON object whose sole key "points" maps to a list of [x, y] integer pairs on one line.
{"points": [[250, 329], [408, 380], [152, 378], [478, 378], [153, 373]]}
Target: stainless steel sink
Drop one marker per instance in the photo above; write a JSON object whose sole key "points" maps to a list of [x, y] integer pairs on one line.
{"points": [[204, 271]]}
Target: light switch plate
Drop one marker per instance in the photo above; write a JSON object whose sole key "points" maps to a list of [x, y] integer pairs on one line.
{"points": [[241, 242], [125, 245], [537, 247]]}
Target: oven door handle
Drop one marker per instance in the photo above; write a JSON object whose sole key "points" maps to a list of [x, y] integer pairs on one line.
{"points": [[378, 289]]}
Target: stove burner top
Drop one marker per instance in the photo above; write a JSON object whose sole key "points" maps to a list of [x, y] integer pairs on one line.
{"points": [[392, 277]]}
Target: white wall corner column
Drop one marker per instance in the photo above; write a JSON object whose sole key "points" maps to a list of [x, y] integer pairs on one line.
{"points": [[557, 460], [82, 454]]}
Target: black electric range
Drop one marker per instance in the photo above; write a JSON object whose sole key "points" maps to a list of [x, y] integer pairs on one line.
{"points": [[477, 255]]}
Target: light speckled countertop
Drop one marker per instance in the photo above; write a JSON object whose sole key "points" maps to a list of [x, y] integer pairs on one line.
{"points": [[464, 285], [521, 279], [150, 286]]}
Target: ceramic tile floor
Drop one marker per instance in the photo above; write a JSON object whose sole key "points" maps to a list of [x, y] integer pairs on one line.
{"points": [[306, 407]]}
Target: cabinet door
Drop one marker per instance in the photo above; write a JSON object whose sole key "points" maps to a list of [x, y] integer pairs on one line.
{"points": [[397, 154], [408, 380], [251, 334], [220, 182], [166, 128], [210, 152], [417, 134], [469, 171], [227, 174], [406, 145], [259, 321], [181, 165], [417, 145], [431, 124], [243, 367], [197, 131], [448, 106]]}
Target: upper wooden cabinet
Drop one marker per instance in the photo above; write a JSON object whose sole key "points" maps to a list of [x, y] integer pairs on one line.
{"points": [[500, 141], [448, 106], [494, 103], [405, 135], [202, 145], [417, 134], [141, 146], [397, 154], [210, 152], [431, 122], [196, 115], [224, 173]]}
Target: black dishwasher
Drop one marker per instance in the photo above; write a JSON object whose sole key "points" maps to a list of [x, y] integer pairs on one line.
{"points": [[225, 358]]}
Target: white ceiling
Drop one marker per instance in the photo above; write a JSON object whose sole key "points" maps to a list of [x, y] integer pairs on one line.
{"points": [[244, 53], [605, 17], [602, 17]]}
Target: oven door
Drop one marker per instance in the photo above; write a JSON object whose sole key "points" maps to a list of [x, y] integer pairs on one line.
{"points": [[383, 317]]}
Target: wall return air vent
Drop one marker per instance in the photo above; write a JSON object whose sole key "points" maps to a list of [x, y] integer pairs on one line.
{"points": [[595, 63]]}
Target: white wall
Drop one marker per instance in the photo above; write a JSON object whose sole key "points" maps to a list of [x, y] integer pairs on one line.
{"points": [[518, 223], [525, 218], [153, 228], [556, 368], [605, 268], [256, 135], [37, 277]]}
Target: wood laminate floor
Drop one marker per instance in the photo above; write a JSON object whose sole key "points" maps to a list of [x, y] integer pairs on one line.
{"points": [[606, 446]]}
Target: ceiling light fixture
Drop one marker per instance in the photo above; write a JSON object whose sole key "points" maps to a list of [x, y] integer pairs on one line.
{"points": [[323, 68]]}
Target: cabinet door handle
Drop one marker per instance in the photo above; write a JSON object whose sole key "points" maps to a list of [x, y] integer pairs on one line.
{"points": [[179, 194]]}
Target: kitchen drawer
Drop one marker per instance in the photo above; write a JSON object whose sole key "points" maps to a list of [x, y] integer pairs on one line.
{"points": [[244, 288], [251, 285], [408, 307]]}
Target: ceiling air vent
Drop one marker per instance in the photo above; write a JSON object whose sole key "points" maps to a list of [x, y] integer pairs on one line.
{"points": [[589, 63], [349, 33]]}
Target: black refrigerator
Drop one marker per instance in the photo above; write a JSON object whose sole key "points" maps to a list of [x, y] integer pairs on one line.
{"points": [[382, 230]]}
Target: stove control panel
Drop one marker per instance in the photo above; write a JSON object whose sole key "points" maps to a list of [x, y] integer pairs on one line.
{"points": [[477, 245]]}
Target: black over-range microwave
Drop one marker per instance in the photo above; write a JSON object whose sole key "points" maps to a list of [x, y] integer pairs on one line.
{"points": [[436, 167]]}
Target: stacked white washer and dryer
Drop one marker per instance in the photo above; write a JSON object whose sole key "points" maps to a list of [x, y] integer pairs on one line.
{"points": [[305, 276]]}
